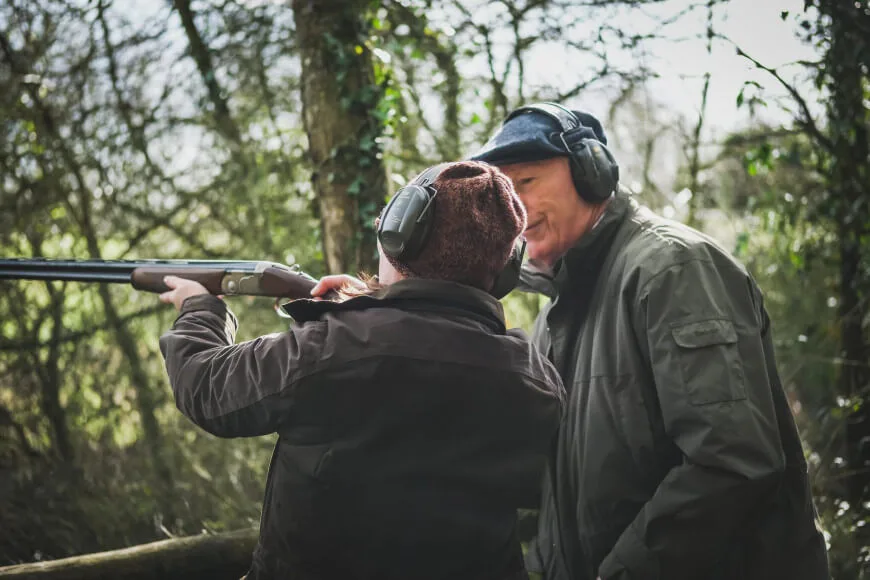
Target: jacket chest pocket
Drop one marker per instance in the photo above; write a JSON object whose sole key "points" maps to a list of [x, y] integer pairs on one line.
{"points": [[709, 361]]}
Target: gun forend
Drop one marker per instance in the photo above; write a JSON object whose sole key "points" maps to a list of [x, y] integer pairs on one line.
{"points": [[265, 279], [150, 278]]}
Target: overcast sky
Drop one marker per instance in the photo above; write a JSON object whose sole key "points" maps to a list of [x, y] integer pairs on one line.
{"points": [[755, 25]]}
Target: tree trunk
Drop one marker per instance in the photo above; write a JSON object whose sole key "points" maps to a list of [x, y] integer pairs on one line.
{"points": [[48, 369], [451, 93], [847, 118], [340, 102], [850, 170], [207, 557], [51, 381]]}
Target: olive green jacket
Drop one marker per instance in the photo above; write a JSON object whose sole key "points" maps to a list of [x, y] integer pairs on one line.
{"points": [[677, 456]]}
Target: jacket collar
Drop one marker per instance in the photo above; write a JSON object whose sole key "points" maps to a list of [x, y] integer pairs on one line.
{"points": [[588, 253], [412, 294]]}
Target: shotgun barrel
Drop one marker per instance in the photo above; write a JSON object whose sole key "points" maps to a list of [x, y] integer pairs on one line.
{"points": [[228, 277]]}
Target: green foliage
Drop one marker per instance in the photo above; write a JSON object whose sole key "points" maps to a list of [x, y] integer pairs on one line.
{"points": [[789, 241], [520, 309], [103, 153], [116, 141]]}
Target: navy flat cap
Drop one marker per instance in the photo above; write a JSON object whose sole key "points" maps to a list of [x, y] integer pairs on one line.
{"points": [[532, 137]]}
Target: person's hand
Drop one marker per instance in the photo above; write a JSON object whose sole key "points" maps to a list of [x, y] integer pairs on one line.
{"points": [[334, 282], [181, 289]]}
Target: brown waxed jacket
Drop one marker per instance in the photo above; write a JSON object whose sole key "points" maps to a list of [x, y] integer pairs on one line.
{"points": [[411, 426], [678, 458]]}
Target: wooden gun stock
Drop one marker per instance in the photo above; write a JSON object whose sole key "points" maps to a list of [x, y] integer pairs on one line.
{"points": [[283, 283]]}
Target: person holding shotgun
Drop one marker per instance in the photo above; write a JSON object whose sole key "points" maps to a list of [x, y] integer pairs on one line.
{"points": [[411, 423]]}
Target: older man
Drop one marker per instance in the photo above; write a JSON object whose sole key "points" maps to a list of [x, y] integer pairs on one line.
{"points": [[677, 457]]}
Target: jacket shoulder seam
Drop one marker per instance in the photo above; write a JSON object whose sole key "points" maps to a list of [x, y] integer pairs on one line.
{"points": [[670, 267]]}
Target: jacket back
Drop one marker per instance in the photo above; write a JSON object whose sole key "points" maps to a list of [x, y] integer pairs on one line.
{"points": [[411, 427]]}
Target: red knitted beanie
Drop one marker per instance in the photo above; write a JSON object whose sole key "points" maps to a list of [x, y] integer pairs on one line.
{"points": [[478, 216]]}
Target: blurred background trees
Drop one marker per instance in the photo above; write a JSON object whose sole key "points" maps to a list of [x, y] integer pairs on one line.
{"points": [[255, 129]]}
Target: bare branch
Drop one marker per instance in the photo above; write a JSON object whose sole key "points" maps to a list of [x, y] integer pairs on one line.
{"points": [[28, 345], [806, 121]]}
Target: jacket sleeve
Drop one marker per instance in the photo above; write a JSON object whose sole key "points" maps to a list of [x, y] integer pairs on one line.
{"points": [[701, 332], [230, 390]]}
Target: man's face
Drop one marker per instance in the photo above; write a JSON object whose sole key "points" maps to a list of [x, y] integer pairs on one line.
{"points": [[557, 217]]}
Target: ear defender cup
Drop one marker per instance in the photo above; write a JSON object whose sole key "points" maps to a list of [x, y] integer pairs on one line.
{"points": [[406, 221], [509, 277], [594, 170]]}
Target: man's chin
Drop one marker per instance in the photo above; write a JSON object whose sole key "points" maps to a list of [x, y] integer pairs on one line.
{"points": [[538, 259]]}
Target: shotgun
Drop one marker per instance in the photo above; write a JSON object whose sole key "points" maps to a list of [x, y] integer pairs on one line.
{"points": [[227, 277]]}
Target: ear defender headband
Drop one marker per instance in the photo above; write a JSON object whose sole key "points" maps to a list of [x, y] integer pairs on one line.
{"points": [[593, 168], [406, 222]]}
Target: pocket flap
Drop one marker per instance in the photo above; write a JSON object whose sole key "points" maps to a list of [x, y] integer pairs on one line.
{"points": [[704, 333]]}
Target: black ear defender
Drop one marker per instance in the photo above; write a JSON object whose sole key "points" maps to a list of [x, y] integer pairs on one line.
{"points": [[406, 221], [593, 168], [509, 277]]}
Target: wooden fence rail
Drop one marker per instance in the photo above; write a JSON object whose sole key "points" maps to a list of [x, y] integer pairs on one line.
{"points": [[213, 557]]}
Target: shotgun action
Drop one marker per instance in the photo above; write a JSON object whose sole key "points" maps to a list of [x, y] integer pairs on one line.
{"points": [[227, 277]]}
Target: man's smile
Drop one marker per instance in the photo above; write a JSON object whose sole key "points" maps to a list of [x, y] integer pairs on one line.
{"points": [[531, 226]]}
